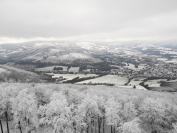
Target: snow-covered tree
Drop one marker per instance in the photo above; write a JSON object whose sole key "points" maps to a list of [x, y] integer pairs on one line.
{"points": [[42, 96], [6, 94], [128, 111], [73, 96], [113, 113], [101, 116], [57, 114], [156, 115], [89, 111], [132, 127], [24, 109], [174, 128], [5, 104]]}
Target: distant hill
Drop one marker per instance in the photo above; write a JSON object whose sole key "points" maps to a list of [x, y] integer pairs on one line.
{"points": [[65, 52], [45, 52]]}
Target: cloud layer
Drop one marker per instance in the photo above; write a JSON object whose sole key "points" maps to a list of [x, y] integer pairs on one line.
{"points": [[89, 19]]}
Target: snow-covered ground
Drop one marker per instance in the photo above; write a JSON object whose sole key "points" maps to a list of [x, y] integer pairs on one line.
{"points": [[138, 87], [136, 81], [154, 83], [72, 76], [162, 59], [109, 79]]}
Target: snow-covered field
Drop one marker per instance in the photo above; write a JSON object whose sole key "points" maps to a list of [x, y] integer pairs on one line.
{"points": [[135, 82], [109, 79], [154, 83], [162, 59], [72, 76], [138, 87]]}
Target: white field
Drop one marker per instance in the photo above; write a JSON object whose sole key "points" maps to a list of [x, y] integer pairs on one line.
{"points": [[162, 59], [154, 83], [138, 87], [72, 76], [136, 82], [110, 79]]}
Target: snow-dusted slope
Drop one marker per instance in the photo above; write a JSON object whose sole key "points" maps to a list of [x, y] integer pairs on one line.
{"points": [[12, 74], [54, 52]]}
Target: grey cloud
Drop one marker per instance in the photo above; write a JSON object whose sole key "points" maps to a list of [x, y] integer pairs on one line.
{"points": [[65, 18]]}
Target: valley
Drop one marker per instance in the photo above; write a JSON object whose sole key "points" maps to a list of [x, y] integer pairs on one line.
{"points": [[128, 64]]}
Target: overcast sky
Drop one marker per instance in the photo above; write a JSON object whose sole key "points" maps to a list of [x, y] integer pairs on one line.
{"points": [[89, 19]]}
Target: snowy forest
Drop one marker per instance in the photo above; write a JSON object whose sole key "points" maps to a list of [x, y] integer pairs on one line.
{"points": [[47, 108]]}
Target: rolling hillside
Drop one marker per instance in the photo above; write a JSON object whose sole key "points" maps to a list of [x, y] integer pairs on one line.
{"points": [[11, 74]]}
